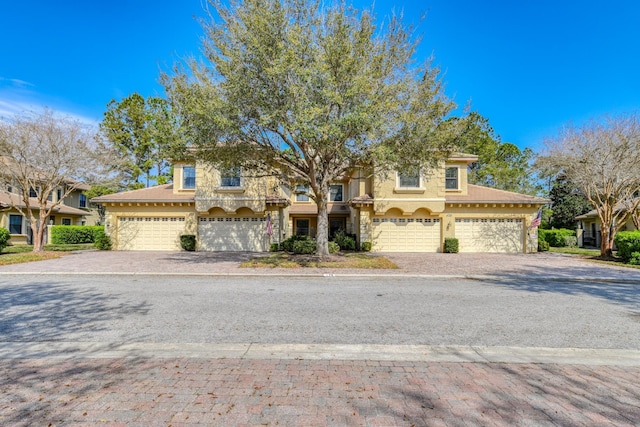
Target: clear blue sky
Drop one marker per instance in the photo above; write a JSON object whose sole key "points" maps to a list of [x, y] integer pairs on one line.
{"points": [[527, 66]]}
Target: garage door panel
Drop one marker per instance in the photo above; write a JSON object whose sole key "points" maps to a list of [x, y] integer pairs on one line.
{"points": [[232, 234], [406, 234], [490, 235], [149, 233]]}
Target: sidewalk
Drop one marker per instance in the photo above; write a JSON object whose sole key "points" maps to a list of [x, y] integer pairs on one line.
{"points": [[251, 392]]}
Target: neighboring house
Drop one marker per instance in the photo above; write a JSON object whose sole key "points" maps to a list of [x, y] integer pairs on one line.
{"points": [[229, 211], [589, 229], [73, 210]]}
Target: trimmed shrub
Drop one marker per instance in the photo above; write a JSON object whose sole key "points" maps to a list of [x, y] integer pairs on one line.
{"points": [[102, 241], [556, 237], [4, 238], [571, 241], [74, 234], [287, 245], [188, 242], [543, 245], [274, 247], [304, 247], [635, 258], [627, 243], [366, 246], [333, 247], [346, 242], [451, 245]]}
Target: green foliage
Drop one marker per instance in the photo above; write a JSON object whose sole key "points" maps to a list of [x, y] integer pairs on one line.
{"points": [[188, 242], [73, 234], [500, 164], [102, 241], [543, 245], [305, 247], [287, 245], [627, 243], [567, 202], [570, 242], [556, 238], [451, 245], [307, 89], [635, 258], [334, 248], [274, 247], [366, 246], [344, 241], [4, 238]]}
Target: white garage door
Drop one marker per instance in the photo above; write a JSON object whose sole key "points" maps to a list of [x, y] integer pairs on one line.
{"points": [[489, 235], [149, 233], [233, 234], [406, 234]]}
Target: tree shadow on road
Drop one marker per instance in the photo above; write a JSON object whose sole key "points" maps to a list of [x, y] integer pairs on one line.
{"points": [[572, 281], [51, 311]]}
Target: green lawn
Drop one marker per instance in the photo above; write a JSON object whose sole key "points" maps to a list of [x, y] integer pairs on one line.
{"points": [[350, 260], [23, 253], [576, 251]]}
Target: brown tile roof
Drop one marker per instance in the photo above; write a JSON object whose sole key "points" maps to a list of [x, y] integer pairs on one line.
{"points": [[362, 200], [6, 199], [479, 194], [159, 193]]}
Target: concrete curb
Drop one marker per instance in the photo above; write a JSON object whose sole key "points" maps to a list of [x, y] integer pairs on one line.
{"points": [[368, 352], [280, 274]]}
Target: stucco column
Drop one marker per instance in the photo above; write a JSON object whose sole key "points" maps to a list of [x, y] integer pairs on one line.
{"points": [[365, 225]]}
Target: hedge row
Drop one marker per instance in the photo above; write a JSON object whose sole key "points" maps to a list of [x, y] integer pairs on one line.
{"points": [[558, 238], [4, 238], [628, 244], [74, 234]]}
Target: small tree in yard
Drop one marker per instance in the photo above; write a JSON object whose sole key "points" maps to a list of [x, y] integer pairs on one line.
{"points": [[41, 153], [306, 91], [601, 159]]}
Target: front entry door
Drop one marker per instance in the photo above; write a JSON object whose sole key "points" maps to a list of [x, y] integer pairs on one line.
{"points": [[335, 225]]}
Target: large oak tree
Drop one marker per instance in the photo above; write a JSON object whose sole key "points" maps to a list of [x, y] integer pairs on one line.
{"points": [[307, 90], [602, 159]]}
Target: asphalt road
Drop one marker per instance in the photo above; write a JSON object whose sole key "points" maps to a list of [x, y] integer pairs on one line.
{"points": [[322, 310]]}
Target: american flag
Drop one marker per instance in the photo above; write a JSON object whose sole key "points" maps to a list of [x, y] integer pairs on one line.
{"points": [[269, 226], [536, 221]]}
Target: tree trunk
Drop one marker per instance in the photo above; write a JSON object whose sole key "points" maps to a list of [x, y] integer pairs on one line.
{"points": [[322, 233], [36, 231], [606, 243]]}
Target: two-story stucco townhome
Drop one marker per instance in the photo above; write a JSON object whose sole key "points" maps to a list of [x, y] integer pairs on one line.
{"points": [[73, 210], [230, 210]]}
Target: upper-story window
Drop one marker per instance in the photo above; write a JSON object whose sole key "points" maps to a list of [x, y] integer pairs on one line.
{"points": [[302, 193], [32, 192], [451, 178], [189, 177], [230, 177], [409, 179], [336, 193], [83, 201], [59, 193]]}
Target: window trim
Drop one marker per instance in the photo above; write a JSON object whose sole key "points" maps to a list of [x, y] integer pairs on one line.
{"points": [[66, 219], [185, 177], [341, 192], [302, 193], [447, 179], [13, 225], [225, 174]]}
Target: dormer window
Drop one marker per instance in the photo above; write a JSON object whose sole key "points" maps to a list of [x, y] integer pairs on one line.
{"points": [[409, 179], [451, 179], [230, 178], [188, 177]]}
